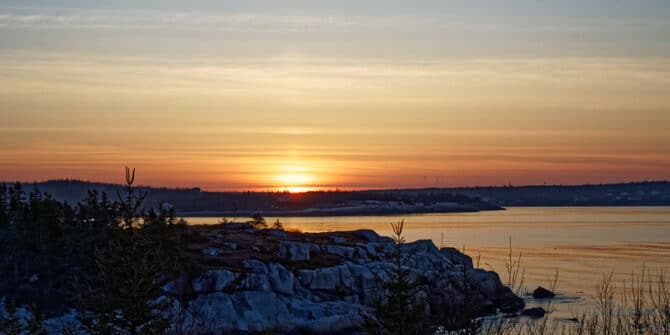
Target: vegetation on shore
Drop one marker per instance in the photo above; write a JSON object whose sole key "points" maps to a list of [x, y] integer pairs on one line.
{"points": [[108, 258]]}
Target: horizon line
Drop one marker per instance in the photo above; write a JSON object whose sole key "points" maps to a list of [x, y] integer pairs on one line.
{"points": [[314, 189]]}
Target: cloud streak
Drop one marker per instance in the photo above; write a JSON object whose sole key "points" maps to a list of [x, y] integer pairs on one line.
{"points": [[262, 22]]}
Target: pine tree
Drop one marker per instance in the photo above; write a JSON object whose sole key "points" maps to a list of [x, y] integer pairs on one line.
{"points": [[109, 258], [257, 221], [402, 313], [14, 212], [143, 248], [4, 207], [5, 245]]}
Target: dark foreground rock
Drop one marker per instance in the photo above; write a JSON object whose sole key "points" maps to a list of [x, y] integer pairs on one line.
{"points": [[289, 282], [535, 313], [543, 293]]}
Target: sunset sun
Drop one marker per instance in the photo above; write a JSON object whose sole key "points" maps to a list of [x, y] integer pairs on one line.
{"points": [[295, 182]]}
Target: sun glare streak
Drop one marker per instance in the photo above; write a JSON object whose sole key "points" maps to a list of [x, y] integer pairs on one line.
{"points": [[295, 179], [299, 189]]}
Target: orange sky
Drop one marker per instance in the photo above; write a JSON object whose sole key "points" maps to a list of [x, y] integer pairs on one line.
{"points": [[328, 124], [329, 99]]}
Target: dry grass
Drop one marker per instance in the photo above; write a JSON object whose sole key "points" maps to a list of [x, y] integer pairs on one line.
{"points": [[644, 310], [293, 230]]}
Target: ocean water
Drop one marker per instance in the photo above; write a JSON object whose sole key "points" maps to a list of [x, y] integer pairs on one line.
{"points": [[579, 244]]}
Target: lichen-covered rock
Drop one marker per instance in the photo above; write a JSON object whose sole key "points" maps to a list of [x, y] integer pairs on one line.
{"points": [[256, 266], [211, 281], [281, 279], [346, 252], [338, 239], [230, 245], [65, 324], [265, 311], [326, 279], [299, 252], [254, 282], [369, 235], [213, 251], [457, 257]]}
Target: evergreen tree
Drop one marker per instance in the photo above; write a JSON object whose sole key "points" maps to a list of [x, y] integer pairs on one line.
{"points": [[14, 211], [4, 207], [257, 221], [402, 313], [142, 250], [108, 258], [5, 242]]}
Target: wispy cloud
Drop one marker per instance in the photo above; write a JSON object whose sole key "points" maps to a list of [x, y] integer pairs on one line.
{"points": [[76, 18], [303, 74], [132, 20]]}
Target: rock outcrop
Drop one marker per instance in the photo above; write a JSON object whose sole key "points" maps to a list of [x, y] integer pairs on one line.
{"points": [[543, 293], [535, 312], [325, 283]]}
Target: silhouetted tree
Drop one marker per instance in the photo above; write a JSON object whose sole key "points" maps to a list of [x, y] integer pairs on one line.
{"points": [[278, 225], [402, 313], [258, 222], [4, 207], [109, 258], [142, 249]]}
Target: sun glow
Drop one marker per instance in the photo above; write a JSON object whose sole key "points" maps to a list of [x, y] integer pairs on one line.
{"points": [[292, 179], [299, 189], [295, 182]]}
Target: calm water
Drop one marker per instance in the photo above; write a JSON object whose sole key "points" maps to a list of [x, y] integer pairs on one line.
{"points": [[581, 243]]}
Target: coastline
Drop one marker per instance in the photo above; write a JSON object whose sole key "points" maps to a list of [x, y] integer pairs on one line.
{"points": [[335, 212]]}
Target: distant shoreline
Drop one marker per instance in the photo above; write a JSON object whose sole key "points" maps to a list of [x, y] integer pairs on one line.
{"points": [[326, 213]]}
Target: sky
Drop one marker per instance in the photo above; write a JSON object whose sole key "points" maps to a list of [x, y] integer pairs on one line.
{"points": [[237, 95]]}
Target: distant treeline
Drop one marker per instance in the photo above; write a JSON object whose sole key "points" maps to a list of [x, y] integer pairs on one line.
{"points": [[648, 193], [195, 200], [192, 201]]}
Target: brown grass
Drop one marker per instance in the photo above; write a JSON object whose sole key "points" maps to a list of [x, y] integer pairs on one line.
{"points": [[645, 310]]}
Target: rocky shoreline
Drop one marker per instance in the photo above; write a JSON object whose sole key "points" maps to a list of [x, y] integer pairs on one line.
{"points": [[270, 280]]}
